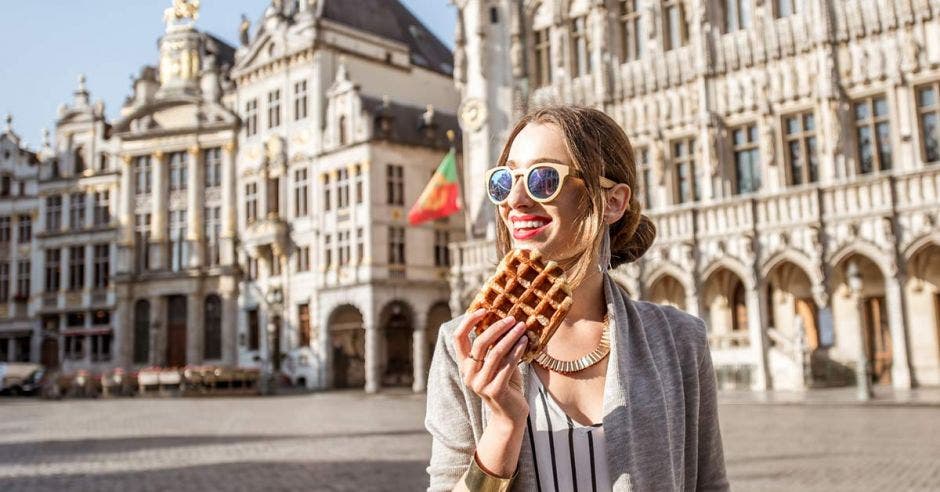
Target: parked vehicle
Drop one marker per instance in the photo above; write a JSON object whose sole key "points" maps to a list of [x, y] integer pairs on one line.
{"points": [[20, 378]]}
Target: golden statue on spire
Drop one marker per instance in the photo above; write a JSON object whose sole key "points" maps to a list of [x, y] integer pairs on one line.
{"points": [[181, 9]]}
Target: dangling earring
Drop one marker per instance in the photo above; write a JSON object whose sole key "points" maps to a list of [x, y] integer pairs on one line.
{"points": [[603, 259]]}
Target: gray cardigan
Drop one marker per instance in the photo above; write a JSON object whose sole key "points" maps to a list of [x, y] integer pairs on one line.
{"points": [[660, 409]]}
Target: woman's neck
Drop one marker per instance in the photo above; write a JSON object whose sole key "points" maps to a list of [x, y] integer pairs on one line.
{"points": [[588, 302]]}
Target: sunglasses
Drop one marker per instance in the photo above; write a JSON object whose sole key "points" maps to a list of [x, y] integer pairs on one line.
{"points": [[543, 181]]}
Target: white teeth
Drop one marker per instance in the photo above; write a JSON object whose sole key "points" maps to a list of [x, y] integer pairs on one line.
{"points": [[529, 224]]}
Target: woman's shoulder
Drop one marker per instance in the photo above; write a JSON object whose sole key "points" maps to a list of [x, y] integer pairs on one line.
{"points": [[663, 320]]}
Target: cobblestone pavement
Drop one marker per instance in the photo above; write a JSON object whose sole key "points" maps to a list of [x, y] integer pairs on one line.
{"points": [[350, 441]]}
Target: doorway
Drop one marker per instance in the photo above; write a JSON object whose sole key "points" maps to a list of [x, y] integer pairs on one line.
{"points": [[176, 331], [878, 340]]}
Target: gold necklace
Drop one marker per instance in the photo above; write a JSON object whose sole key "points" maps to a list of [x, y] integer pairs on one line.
{"points": [[570, 366]]}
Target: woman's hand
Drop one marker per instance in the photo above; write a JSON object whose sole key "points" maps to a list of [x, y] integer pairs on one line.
{"points": [[489, 366]]}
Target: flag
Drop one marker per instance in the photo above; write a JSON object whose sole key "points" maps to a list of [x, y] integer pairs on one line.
{"points": [[440, 197]]}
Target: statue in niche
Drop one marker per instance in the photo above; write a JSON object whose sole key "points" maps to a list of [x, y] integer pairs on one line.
{"points": [[769, 137], [910, 52], [244, 34], [657, 159]]}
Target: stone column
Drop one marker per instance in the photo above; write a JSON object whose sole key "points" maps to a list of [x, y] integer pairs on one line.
{"points": [[157, 331], [195, 331], [195, 194], [229, 321], [419, 353], [756, 302], [158, 217], [373, 355], [90, 207], [125, 212], [229, 204], [894, 298], [123, 330]]}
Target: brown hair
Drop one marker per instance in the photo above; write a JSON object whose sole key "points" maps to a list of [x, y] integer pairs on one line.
{"points": [[597, 147]]}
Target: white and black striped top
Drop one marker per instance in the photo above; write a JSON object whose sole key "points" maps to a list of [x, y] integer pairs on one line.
{"points": [[568, 456]]}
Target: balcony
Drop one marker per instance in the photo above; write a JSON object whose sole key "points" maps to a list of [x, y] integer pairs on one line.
{"points": [[272, 232]]}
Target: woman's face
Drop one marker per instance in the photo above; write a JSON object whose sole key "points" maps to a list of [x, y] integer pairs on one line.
{"points": [[548, 227]]}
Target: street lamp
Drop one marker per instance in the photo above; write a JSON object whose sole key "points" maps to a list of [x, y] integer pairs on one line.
{"points": [[274, 299], [863, 381]]}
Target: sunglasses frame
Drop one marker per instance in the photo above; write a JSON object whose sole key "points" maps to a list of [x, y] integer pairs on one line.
{"points": [[563, 172]]}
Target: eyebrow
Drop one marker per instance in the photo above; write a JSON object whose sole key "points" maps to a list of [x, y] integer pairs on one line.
{"points": [[512, 163]]}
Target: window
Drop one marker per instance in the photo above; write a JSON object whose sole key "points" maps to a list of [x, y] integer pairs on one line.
{"points": [[102, 266], [142, 242], [251, 117], [212, 167], [303, 259], [4, 284], [274, 197], [326, 192], [928, 110], [75, 347], [357, 170], [254, 330], [631, 41], [141, 331], [100, 347], [142, 166], [76, 267], [342, 188], [300, 100], [686, 185], [5, 182], [25, 228], [251, 269], [54, 213], [301, 193], [580, 47], [396, 184], [102, 213], [77, 210], [23, 272], [53, 272], [103, 162], [274, 108], [643, 169], [212, 222], [178, 171], [79, 160], [5, 229], [675, 31], [342, 130], [179, 252], [873, 130], [441, 250], [327, 252], [303, 320], [212, 349], [746, 159], [251, 203], [494, 15], [344, 247], [737, 15], [543, 69], [800, 146], [784, 8], [396, 245], [360, 246]]}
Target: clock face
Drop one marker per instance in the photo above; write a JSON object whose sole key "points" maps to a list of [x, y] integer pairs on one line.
{"points": [[472, 114]]}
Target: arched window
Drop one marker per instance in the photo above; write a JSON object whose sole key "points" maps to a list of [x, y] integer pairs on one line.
{"points": [[141, 332], [342, 130], [213, 328]]}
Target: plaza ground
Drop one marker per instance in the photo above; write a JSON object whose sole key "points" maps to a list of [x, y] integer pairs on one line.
{"points": [[352, 441]]}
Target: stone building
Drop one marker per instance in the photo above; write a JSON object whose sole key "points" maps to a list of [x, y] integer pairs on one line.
{"points": [[19, 170], [790, 157], [344, 107]]}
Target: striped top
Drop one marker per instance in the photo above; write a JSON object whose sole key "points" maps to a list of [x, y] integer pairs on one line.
{"points": [[568, 456]]}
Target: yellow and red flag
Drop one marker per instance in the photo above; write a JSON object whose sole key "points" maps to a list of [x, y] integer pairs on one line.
{"points": [[441, 197]]}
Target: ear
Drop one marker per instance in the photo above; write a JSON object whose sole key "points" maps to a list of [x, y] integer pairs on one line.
{"points": [[618, 201]]}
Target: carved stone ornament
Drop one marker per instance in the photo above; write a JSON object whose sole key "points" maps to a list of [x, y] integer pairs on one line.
{"points": [[274, 150], [472, 114]]}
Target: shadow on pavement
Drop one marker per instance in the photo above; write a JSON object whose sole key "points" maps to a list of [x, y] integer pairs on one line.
{"points": [[251, 475]]}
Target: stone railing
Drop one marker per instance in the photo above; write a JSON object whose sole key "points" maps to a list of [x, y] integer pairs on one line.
{"points": [[788, 208], [732, 217], [734, 339], [861, 197], [674, 225]]}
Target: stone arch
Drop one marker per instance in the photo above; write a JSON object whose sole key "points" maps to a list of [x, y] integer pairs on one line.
{"points": [[667, 289], [438, 314], [865, 315], [917, 245], [672, 270], [867, 250], [725, 306], [922, 304], [733, 265], [347, 347], [791, 307], [397, 322], [798, 259]]}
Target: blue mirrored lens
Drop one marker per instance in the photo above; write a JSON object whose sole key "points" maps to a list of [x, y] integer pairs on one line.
{"points": [[543, 182], [500, 185]]}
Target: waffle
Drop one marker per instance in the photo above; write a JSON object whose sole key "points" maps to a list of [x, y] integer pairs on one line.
{"points": [[529, 290]]}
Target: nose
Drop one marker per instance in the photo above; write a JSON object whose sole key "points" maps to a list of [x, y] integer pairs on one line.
{"points": [[518, 198]]}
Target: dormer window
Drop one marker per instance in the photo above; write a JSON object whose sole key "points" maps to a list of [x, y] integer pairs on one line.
{"points": [[79, 160], [342, 130]]}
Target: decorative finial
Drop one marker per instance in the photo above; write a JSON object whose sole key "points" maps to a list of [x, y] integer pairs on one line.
{"points": [[45, 138], [9, 120], [81, 82]]}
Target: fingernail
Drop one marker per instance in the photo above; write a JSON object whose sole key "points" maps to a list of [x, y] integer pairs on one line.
{"points": [[510, 319], [480, 311], [520, 326]]}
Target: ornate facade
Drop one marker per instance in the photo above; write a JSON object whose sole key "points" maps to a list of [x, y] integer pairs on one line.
{"points": [[248, 207], [789, 157]]}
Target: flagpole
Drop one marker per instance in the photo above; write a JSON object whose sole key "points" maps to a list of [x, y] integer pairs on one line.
{"points": [[451, 136]]}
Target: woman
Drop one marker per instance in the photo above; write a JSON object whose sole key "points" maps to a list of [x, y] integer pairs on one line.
{"points": [[640, 415]]}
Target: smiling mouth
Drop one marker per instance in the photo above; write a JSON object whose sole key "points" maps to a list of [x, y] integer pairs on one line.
{"points": [[525, 229]]}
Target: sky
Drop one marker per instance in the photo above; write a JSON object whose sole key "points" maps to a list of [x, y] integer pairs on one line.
{"points": [[46, 44]]}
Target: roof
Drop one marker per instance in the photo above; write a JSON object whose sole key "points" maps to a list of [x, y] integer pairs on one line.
{"points": [[407, 124], [392, 20]]}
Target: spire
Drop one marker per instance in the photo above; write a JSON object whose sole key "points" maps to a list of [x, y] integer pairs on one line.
{"points": [[81, 93], [9, 120], [46, 141]]}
